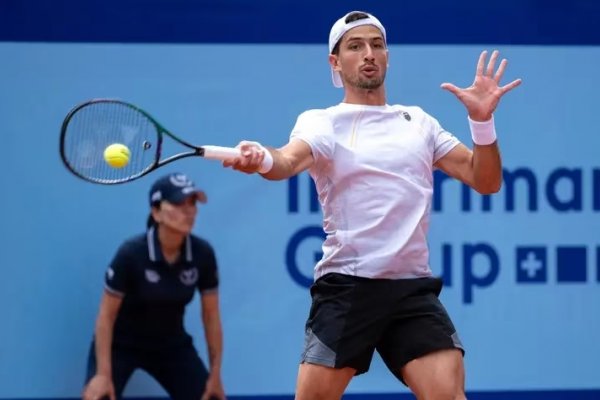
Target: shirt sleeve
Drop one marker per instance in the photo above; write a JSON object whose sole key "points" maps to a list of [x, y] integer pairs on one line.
{"points": [[118, 275], [315, 128], [443, 141], [208, 276]]}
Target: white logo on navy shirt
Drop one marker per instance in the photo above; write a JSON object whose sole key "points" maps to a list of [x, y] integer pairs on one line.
{"points": [[152, 276], [189, 277]]}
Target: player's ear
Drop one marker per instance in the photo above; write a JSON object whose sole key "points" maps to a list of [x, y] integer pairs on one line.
{"points": [[334, 62]]}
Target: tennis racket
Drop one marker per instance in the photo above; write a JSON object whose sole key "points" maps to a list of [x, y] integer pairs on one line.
{"points": [[89, 128]]}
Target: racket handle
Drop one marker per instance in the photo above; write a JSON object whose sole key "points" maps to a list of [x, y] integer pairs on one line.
{"points": [[220, 153], [228, 153]]}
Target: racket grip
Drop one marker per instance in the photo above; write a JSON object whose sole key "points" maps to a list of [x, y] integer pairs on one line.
{"points": [[228, 153], [220, 153]]}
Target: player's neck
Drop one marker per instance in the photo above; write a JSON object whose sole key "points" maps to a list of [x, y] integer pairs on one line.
{"points": [[369, 97]]}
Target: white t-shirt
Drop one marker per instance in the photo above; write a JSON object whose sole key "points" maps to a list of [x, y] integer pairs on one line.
{"points": [[373, 172]]}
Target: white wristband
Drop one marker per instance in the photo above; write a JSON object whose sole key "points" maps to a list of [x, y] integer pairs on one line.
{"points": [[483, 133], [267, 162]]}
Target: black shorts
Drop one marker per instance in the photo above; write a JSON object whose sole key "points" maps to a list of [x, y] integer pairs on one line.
{"points": [[179, 370], [351, 317]]}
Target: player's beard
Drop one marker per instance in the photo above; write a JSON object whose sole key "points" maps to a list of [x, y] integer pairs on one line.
{"points": [[361, 83]]}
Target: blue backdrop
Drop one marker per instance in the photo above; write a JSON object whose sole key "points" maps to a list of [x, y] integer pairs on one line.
{"points": [[522, 268]]}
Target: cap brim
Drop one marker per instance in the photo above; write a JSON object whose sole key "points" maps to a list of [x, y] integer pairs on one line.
{"points": [[180, 197], [201, 196]]}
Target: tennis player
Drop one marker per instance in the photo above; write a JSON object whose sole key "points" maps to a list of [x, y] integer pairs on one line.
{"points": [[150, 281], [373, 164]]}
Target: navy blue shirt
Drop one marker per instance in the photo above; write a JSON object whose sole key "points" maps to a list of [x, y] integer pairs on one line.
{"points": [[155, 292]]}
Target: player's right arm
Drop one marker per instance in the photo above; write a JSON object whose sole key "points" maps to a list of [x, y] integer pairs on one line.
{"points": [[101, 384], [287, 161]]}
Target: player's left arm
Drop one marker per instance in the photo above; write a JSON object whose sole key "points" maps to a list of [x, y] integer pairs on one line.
{"points": [[211, 319], [480, 168]]}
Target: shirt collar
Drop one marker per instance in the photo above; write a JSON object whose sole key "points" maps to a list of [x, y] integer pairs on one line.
{"points": [[154, 251]]}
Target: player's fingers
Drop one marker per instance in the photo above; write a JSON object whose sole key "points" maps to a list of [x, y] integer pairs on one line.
{"points": [[260, 158], [240, 163], [246, 150], [511, 86], [252, 155], [228, 163], [244, 165], [481, 63], [451, 88], [500, 72], [257, 158], [492, 63], [246, 145]]}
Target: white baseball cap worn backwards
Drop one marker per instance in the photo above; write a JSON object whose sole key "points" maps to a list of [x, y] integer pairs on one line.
{"points": [[341, 27]]}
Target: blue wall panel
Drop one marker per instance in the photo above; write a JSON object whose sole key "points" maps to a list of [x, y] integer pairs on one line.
{"points": [[59, 233], [307, 21]]}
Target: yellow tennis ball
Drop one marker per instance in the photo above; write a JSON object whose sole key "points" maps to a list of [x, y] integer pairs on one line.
{"points": [[117, 155]]}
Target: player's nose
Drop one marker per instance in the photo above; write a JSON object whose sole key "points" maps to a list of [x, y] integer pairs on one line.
{"points": [[369, 53]]}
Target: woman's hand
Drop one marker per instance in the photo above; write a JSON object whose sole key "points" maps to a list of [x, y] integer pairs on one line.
{"points": [[99, 387]]}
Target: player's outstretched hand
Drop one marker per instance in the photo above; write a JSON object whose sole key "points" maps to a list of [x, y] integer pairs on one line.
{"points": [[482, 97]]}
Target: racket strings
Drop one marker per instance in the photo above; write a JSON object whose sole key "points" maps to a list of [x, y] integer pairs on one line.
{"points": [[96, 126]]}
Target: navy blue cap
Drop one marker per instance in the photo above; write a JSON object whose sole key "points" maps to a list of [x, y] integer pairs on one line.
{"points": [[175, 188]]}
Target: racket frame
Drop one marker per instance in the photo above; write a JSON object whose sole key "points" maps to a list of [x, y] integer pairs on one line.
{"points": [[212, 152]]}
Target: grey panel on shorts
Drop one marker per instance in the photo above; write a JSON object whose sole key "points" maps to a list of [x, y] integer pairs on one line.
{"points": [[457, 342], [316, 352]]}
